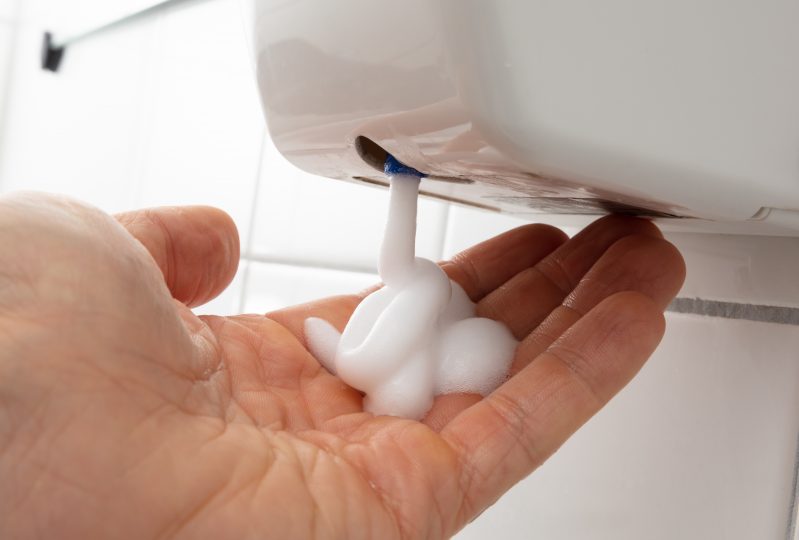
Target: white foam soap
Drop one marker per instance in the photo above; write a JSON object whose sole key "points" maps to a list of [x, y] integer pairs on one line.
{"points": [[418, 336]]}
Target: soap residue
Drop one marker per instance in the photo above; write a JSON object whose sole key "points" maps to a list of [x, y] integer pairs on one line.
{"points": [[418, 336]]}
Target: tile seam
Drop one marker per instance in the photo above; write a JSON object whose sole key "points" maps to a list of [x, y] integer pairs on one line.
{"points": [[734, 310]]}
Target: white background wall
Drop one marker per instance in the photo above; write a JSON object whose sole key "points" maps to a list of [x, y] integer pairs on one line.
{"points": [[702, 445]]}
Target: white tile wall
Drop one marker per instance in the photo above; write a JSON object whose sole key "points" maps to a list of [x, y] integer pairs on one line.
{"points": [[206, 129], [166, 112], [74, 16], [311, 219], [7, 10], [7, 28], [272, 286], [80, 132], [755, 270], [468, 226]]}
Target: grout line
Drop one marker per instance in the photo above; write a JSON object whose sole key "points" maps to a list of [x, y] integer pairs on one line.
{"points": [[7, 79], [444, 230], [328, 265], [245, 278], [151, 76], [245, 281], [792, 533], [734, 310], [305, 263]]}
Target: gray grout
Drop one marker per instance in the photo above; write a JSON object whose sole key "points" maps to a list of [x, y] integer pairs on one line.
{"points": [[733, 310], [305, 263]]}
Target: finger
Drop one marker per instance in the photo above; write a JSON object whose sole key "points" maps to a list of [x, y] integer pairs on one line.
{"points": [[478, 270], [196, 248], [525, 300], [650, 266], [485, 266], [646, 264], [504, 437]]}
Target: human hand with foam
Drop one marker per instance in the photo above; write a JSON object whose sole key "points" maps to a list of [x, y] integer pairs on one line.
{"points": [[123, 414]]}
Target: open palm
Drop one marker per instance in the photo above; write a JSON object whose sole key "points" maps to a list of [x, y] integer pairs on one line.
{"points": [[122, 414]]}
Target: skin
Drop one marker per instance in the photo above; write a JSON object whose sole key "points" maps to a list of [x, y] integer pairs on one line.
{"points": [[124, 415]]}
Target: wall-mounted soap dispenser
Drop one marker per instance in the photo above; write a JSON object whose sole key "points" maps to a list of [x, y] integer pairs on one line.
{"points": [[681, 109]]}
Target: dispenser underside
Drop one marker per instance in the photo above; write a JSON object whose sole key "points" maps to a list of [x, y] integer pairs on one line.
{"points": [[682, 111]]}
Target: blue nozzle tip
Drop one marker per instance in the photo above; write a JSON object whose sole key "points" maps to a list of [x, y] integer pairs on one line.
{"points": [[394, 167]]}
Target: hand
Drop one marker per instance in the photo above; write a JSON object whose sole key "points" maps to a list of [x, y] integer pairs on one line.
{"points": [[122, 414]]}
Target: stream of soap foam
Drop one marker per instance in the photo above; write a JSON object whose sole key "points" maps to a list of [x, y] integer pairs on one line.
{"points": [[418, 336]]}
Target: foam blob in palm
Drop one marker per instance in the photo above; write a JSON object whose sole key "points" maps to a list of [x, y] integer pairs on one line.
{"points": [[418, 336]]}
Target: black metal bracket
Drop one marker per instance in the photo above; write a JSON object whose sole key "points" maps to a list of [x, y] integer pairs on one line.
{"points": [[53, 50], [51, 55]]}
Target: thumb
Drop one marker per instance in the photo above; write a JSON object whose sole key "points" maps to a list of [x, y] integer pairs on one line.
{"points": [[196, 248]]}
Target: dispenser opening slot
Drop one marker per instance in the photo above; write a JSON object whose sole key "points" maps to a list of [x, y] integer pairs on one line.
{"points": [[375, 156], [372, 153]]}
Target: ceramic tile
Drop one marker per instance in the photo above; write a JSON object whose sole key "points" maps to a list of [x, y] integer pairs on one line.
{"points": [[270, 287], [744, 269], [79, 132], [8, 10], [6, 50], [469, 226], [206, 134], [229, 302], [701, 445], [323, 221]]}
